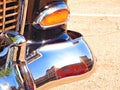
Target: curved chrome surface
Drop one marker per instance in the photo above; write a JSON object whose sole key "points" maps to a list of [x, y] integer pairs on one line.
{"points": [[9, 39], [8, 78], [13, 72], [16, 77], [4, 52], [60, 60], [48, 10], [14, 37]]}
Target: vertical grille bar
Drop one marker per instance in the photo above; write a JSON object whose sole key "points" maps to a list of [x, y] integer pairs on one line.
{"points": [[24, 15], [4, 6]]}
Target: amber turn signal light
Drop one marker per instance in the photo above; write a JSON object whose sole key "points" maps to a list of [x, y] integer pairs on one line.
{"points": [[55, 14], [55, 18]]}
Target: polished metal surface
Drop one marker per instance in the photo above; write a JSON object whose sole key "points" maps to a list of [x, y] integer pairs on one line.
{"points": [[8, 40], [48, 10], [60, 60], [14, 73], [43, 60], [14, 38], [8, 80]]}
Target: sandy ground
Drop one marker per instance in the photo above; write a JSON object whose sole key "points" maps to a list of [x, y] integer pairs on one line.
{"points": [[103, 36]]}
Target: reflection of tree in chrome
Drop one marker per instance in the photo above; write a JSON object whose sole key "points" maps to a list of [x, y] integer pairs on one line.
{"points": [[3, 42], [3, 73]]}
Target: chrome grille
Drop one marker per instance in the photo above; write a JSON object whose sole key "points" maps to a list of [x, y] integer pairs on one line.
{"points": [[9, 10]]}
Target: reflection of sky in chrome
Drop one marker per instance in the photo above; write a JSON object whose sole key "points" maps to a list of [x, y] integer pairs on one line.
{"points": [[64, 54], [9, 80]]}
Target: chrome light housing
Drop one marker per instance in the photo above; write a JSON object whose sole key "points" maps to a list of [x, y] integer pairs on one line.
{"points": [[54, 14]]}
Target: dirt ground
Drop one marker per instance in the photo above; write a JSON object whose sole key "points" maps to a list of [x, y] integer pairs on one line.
{"points": [[102, 33]]}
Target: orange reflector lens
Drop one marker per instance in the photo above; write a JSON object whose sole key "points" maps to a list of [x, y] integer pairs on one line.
{"points": [[56, 17]]}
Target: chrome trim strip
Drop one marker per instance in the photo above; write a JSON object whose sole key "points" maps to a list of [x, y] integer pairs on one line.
{"points": [[22, 16]]}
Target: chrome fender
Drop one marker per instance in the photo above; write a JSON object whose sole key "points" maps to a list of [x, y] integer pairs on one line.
{"points": [[60, 60]]}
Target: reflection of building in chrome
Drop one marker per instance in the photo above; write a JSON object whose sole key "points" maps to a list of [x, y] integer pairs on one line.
{"points": [[49, 76], [69, 70], [75, 69], [87, 61]]}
